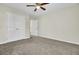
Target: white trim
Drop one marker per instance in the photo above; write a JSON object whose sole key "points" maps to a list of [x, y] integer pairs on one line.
{"points": [[45, 36], [12, 40]]}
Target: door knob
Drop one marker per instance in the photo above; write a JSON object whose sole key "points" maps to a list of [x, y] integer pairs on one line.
{"points": [[17, 29]]}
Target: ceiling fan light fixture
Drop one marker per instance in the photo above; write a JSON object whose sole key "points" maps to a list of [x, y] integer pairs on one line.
{"points": [[38, 7]]}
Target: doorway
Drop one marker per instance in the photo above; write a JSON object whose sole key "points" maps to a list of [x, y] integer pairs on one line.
{"points": [[33, 27]]}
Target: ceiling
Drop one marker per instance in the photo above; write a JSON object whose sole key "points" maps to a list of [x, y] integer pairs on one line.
{"points": [[30, 10]]}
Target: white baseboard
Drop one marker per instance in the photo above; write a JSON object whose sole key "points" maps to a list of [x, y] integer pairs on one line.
{"points": [[7, 41], [46, 36]]}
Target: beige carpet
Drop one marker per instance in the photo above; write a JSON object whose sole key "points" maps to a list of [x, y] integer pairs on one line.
{"points": [[39, 46]]}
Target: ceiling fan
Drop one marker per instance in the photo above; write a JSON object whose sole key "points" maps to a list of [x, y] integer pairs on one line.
{"points": [[38, 6]]}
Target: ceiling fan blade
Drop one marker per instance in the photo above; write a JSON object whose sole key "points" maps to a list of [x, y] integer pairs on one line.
{"points": [[30, 5], [36, 3], [44, 3], [42, 8], [35, 9]]}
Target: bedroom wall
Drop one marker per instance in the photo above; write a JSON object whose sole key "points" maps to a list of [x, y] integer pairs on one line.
{"points": [[3, 22], [2, 28], [62, 25]]}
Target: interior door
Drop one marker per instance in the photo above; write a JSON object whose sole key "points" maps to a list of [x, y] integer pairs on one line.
{"points": [[16, 27], [11, 28], [34, 27], [19, 27]]}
